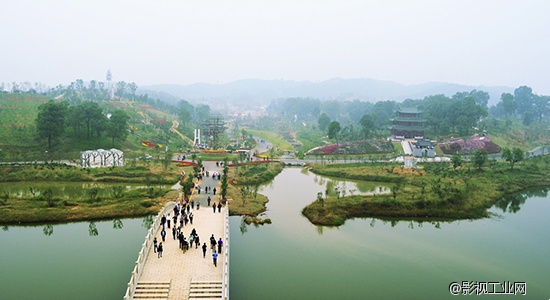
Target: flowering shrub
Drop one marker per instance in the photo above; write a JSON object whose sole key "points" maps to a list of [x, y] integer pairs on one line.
{"points": [[469, 146], [355, 147]]}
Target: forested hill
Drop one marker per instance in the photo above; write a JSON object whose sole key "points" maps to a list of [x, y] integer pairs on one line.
{"points": [[262, 92]]}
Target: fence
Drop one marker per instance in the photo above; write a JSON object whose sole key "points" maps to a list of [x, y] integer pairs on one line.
{"points": [[145, 248], [225, 274]]}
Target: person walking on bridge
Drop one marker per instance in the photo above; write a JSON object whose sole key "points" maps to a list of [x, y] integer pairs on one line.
{"points": [[160, 250], [220, 244], [215, 258], [204, 247]]}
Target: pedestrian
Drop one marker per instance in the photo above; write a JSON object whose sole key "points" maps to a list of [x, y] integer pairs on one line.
{"points": [[213, 243], [197, 241], [198, 205], [215, 258], [204, 250], [193, 202], [180, 239], [155, 244], [219, 207], [175, 219], [191, 240], [159, 255], [214, 207], [208, 200], [214, 191], [220, 243], [188, 208], [191, 218], [163, 221], [174, 232], [163, 235], [168, 219]]}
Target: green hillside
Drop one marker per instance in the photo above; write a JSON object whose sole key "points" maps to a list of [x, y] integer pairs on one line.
{"points": [[19, 139]]}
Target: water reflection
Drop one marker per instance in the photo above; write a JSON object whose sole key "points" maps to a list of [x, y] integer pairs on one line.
{"points": [[48, 230], [148, 221], [243, 227], [92, 229], [117, 224]]}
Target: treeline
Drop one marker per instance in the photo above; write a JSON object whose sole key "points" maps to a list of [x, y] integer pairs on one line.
{"points": [[87, 120], [459, 114]]}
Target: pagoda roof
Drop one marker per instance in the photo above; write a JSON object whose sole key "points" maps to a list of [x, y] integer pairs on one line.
{"points": [[409, 110], [401, 119], [408, 128]]}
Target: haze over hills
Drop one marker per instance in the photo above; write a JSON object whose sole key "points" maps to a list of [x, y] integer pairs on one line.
{"points": [[259, 92]]}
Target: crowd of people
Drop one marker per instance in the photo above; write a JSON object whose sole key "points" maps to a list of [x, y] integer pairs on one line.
{"points": [[181, 218]]}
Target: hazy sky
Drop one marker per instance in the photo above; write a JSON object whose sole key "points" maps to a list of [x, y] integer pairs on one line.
{"points": [[474, 42]]}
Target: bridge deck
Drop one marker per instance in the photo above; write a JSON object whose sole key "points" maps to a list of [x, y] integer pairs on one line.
{"points": [[182, 269]]}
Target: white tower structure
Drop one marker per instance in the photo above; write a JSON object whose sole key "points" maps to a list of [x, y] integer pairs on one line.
{"points": [[197, 139]]}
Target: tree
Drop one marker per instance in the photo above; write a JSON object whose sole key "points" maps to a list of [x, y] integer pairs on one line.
{"points": [[187, 186], [244, 192], [50, 120], [524, 98], [541, 106], [480, 158], [92, 116], [133, 88], [367, 124], [117, 126], [120, 88], [333, 130], [512, 156], [508, 104], [323, 122], [456, 160]]}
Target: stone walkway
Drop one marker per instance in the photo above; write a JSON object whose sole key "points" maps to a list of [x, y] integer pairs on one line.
{"points": [[178, 268]]}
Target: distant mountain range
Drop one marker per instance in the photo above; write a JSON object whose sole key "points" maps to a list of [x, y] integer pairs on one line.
{"points": [[258, 92]]}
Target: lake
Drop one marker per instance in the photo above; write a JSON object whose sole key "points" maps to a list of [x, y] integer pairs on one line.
{"points": [[293, 259], [376, 259]]}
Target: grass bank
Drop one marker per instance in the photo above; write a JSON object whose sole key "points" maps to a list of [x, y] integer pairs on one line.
{"points": [[254, 173], [44, 206], [433, 191]]}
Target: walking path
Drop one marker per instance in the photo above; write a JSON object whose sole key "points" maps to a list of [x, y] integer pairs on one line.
{"points": [[187, 275]]}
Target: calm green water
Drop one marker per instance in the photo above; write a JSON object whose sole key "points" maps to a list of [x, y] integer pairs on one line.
{"points": [[76, 261], [292, 259], [375, 259]]}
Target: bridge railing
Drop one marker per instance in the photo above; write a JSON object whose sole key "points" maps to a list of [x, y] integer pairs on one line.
{"points": [[225, 271], [145, 248]]}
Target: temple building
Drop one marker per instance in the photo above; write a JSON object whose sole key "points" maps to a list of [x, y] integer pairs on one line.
{"points": [[408, 124]]}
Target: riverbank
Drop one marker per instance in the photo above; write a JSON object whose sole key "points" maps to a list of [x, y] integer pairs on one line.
{"points": [[432, 191], [43, 205]]}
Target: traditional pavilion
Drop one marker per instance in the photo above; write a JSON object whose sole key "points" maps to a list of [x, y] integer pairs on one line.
{"points": [[408, 124]]}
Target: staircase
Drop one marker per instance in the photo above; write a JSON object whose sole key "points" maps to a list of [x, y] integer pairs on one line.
{"points": [[152, 290], [205, 290]]}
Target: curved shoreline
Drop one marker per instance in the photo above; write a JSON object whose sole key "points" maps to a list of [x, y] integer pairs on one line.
{"points": [[427, 195]]}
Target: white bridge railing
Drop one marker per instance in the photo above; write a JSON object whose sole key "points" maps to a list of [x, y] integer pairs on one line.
{"points": [[145, 248], [225, 258]]}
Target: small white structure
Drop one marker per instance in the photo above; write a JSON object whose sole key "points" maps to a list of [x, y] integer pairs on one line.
{"points": [[197, 139], [101, 158], [410, 162]]}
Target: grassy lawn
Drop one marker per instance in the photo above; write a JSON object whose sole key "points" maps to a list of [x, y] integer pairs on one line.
{"points": [[274, 138]]}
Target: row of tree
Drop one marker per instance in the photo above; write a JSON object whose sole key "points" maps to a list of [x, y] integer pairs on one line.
{"points": [[88, 120]]}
